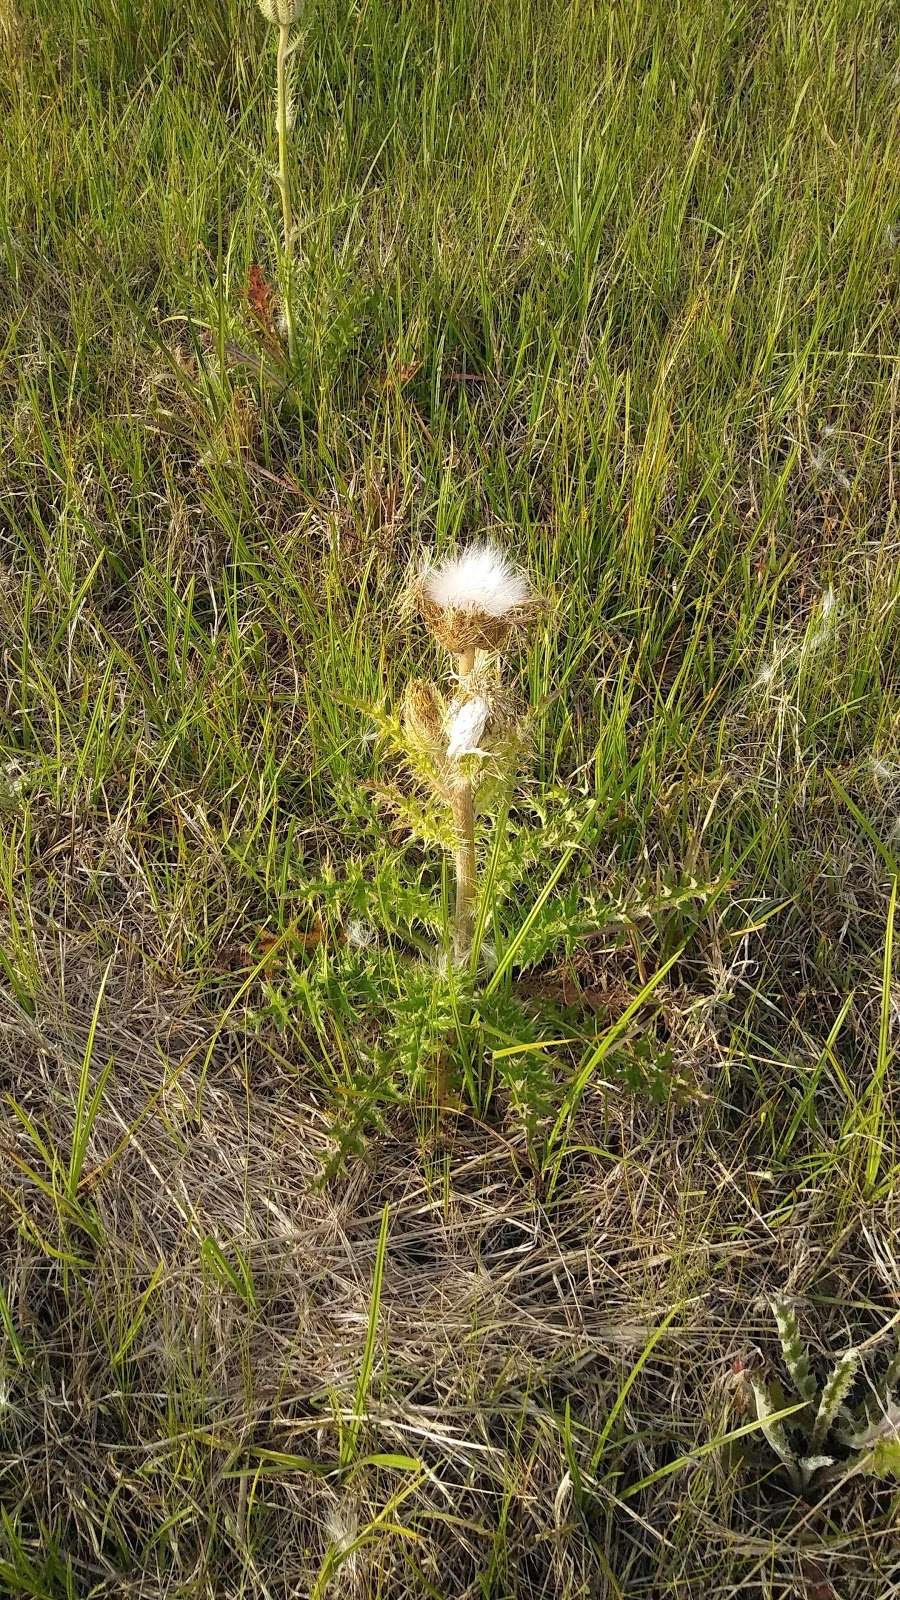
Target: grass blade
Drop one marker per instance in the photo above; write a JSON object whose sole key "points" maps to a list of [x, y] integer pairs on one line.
{"points": [[348, 1450]]}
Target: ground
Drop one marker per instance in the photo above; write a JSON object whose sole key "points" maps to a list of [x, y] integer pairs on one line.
{"points": [[297, 1298]]}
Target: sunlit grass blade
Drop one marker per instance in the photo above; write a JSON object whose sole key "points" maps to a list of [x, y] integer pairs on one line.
{"points": [[351, 1436], [87, 1104]]}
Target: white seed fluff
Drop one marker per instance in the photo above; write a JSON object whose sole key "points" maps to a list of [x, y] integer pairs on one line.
{"points": [[481, 579], [342, 1526], [466, 727]]}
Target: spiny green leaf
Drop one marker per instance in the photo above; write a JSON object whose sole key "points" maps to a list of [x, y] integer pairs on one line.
{"points": [[837, 1387], [796, 1358], [773, 1431], [884, 1459], [810, 1465]]}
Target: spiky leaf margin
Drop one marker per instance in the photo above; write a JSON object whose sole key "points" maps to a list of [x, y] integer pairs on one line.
{"points": [[794, 1351], [835, 1392]]}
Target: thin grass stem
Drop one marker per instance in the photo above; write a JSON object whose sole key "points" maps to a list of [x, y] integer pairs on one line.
{"points": [[284, 182]]}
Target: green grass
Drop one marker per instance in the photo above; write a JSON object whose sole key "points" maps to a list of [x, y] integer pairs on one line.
{"points": [[618, 285]]}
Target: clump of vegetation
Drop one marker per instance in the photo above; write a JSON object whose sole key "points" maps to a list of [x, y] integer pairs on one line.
{"points": [[426, 979], [821, 1435]]}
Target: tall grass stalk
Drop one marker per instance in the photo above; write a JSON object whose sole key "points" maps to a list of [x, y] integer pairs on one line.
{"points": [[282, 15]]}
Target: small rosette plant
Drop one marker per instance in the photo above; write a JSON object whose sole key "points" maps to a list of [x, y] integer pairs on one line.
{"points": [[819, 1435]]}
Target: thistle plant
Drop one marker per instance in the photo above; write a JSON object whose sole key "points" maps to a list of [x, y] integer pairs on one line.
{"points": [[826, 1436], [473, 739], [361, 968], [282, 14]]}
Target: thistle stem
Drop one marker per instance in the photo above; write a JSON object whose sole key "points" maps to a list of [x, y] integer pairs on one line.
{"points": [[284, 181], [464, 861], [463, 809]]}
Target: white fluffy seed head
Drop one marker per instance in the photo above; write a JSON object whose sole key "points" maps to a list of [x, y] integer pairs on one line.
{"points": [[465, 727], [342, 1525], [480, 579]]}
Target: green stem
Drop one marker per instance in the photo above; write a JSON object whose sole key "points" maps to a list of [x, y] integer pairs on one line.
{"points": [[284, 181]]}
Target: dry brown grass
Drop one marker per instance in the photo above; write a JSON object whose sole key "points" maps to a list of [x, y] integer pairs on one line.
{"points": [[508, 1327]]}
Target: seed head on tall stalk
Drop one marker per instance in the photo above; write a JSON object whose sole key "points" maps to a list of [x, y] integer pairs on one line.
{"points": [[282, 14], [471, 603]]}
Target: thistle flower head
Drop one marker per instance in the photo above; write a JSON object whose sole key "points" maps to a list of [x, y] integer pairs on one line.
{"points": [[466, 725], [481, 579], [473, 600], [282, 13], [423, 716], [484, 725]]}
